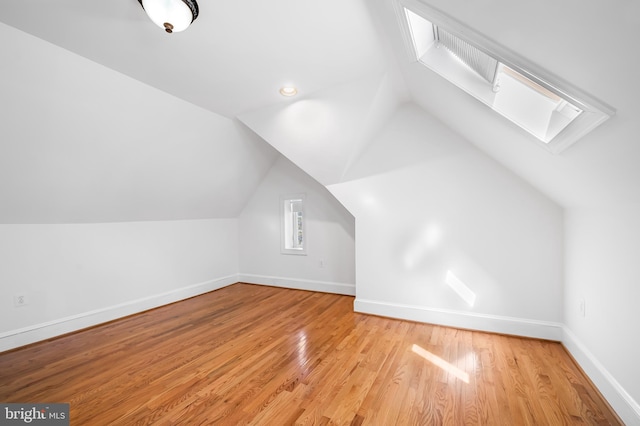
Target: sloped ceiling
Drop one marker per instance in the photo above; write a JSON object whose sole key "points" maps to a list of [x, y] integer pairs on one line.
{"points": [[573, 40], [81, 143], [236, 55], [326, 132]]}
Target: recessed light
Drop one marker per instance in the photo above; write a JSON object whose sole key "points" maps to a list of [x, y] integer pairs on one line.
{"points": [[288, 91]]}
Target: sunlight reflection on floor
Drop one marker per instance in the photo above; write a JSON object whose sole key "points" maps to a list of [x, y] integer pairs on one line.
{"points": [[436, 360]]}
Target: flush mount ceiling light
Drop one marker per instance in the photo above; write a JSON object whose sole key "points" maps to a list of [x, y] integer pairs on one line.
{"points": [[288, 91], [171, 15]]}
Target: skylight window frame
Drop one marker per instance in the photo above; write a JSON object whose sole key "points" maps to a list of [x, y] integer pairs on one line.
{"points": [[594, 111]]}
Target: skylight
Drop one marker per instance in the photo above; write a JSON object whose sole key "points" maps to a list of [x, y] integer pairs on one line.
{"points": [[547, 108]]}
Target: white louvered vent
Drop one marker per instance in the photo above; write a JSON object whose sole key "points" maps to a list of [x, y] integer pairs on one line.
{"points": [[476, 59]]}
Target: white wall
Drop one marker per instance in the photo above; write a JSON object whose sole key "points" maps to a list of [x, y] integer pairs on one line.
{"points": [[329, 264], [427, 202], [77, 275], [602, 267], [83, 143]]}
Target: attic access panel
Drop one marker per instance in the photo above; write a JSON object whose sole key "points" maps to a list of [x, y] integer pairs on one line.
{"points": [[548, 108]]}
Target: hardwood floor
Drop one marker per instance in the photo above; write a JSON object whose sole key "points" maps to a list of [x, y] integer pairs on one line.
{"points": [[248, 354]]}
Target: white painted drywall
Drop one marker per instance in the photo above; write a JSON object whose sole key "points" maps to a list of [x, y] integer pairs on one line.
{"points": [[82, 143], [602, 268], [325, 131], [329, 234], [427, 202], [68, 270]]}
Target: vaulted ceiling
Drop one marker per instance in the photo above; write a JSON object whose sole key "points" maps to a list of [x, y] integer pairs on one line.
{"points": [[352, 71], [235, 56]]}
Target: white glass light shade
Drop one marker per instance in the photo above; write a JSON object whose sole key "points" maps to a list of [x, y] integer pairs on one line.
{"points": [[170, 15]]}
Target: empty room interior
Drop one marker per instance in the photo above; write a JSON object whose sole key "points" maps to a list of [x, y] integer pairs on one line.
{"points": [[416, 171]]}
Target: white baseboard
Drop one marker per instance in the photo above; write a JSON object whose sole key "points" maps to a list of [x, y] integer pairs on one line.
{"points": [[35, 333], [624, 405], [466, 320], [299, 284]]}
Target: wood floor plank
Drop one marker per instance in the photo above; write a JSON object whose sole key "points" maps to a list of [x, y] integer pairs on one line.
{"points": [[249, 354]]}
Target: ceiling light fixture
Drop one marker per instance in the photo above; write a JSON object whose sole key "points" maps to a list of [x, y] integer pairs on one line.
{"points": [[171, 15], [288, 91]]}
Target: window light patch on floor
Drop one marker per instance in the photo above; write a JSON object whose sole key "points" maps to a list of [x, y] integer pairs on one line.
{"points": [[439, 362], [556, 113]]}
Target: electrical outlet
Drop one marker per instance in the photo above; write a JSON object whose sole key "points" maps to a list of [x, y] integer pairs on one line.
{"points": [[582, 307], [20, 300]]}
